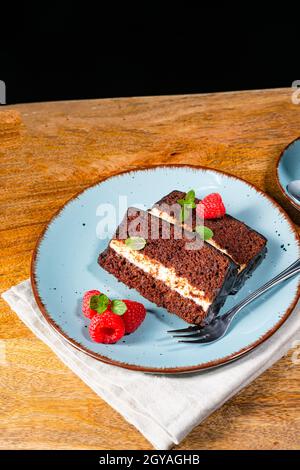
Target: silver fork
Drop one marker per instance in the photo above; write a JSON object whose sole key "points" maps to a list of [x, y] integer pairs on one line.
{"points": [[218, 327]]}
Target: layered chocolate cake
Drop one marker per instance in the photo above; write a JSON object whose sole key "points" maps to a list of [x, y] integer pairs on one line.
{"points": [[192, 283], [246, 247]]}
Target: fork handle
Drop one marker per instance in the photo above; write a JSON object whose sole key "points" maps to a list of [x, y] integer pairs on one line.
{"points": [[291, 271]]}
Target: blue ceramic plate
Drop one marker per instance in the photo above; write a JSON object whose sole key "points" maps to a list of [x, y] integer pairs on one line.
{"points": [[288, 169], [65, 266]]}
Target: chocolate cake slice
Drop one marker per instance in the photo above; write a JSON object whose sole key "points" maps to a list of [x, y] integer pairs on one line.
{"points": [[192, 283], [246, 247]]}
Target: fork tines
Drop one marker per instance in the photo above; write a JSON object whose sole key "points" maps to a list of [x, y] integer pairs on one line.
{"points": [[185, 330], [193, 335]]}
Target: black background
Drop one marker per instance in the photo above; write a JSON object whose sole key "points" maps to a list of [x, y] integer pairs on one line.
{"points": [[69, 50]]}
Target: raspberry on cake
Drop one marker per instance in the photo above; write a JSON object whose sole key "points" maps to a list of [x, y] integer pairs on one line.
{"points": [[211, 207], [246, 247], [190, 283]]}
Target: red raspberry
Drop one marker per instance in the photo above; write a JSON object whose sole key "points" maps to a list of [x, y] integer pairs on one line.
{"points": [[106, 328], [86, 310], [211, 207], [134, 315]]}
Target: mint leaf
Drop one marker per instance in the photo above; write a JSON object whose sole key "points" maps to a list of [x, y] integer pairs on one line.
{"points": [[204, 232], [99, 303], [94, 302], [135, 243], [181, 202], [187, 204], [190, 196], [118, 307]]}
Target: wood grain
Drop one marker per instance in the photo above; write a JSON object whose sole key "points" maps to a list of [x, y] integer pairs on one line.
{"points": [[50, 151]]}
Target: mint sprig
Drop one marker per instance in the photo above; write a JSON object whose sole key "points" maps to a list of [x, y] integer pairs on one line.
{"points": [[99, 303], [135, 243], [205, 233], [118, 307], [190, 196], [187, 204]]}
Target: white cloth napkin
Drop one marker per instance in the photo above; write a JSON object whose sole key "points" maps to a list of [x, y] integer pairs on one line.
{"points": [[163, 408]]}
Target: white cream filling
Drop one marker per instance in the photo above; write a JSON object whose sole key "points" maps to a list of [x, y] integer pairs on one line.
{"points": [[168, 218], [161, 273]]}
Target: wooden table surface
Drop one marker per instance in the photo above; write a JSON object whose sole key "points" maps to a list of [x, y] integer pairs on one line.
{"points": [[50, 151]]}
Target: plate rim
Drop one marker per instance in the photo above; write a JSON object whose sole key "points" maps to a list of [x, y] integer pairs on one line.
{"points": [[283, 191], [161, 370]]}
